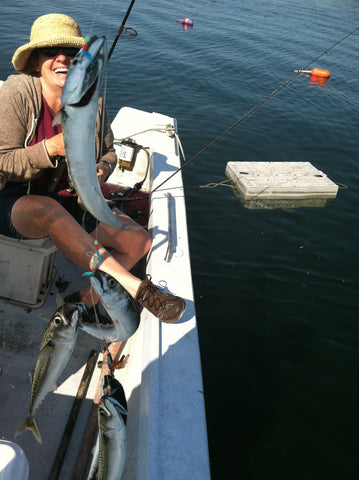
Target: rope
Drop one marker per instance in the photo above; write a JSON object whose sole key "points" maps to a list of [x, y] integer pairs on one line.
{"points": [[169, 130], [223, 183]]}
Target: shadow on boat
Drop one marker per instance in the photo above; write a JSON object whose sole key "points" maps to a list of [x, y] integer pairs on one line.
{"points": [[21, 331]]}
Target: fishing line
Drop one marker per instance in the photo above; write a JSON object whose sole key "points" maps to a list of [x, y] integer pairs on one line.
{"points": [[130, 32], [331, 48], [256, 107]]}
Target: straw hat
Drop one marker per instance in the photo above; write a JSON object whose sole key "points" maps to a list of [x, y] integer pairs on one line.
{"points": [[53, 30]]}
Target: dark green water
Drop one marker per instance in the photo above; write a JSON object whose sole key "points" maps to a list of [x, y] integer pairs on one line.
{"points": [[276, 290]]}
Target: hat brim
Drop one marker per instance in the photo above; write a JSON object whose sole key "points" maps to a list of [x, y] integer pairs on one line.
{"points": [[22, 54]]}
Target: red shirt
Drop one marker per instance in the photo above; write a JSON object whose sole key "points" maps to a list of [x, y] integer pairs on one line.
{"points": [[45, 129]]}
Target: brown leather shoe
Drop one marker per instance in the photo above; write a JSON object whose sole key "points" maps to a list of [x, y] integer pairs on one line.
{"points": [[166, 307]]}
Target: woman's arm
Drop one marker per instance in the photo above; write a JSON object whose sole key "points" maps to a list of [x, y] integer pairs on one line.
{"points": [[18, 162]]}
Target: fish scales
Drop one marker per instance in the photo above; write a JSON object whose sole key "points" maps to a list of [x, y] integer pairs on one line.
{"points": [[56, 347], [112, 440], [110, 452]]}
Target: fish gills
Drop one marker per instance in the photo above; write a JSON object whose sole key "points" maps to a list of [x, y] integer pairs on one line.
{"points": [[119, 304]]}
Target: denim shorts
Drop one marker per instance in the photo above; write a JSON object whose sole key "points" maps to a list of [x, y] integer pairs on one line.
{"points": [[12, 193]]}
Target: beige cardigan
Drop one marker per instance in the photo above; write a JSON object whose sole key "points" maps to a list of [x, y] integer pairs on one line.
{"points": [[20, 106]]}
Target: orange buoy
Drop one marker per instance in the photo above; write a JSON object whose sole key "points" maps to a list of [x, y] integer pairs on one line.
{"points": [[316, 72]]}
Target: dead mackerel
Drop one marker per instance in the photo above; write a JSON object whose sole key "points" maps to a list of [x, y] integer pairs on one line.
{"points": [[80, 99], [123, 310], [110, 451], [56, 348]]}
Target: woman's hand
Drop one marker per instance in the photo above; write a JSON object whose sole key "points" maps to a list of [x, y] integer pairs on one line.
{"points": [[55, 146], [103, 172], [101, 176]]}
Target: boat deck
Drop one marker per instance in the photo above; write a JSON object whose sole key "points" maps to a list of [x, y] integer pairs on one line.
{"points": [[21, 331], [162, 378]]}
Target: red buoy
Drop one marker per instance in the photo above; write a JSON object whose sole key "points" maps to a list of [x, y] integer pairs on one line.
{"points": [[317, 72]]}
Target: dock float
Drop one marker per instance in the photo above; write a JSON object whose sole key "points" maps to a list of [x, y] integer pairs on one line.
{"points": [[280, 184]]}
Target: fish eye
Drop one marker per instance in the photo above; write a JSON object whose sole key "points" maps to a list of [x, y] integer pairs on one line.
{"points": [[57, 320], [111, 282]]}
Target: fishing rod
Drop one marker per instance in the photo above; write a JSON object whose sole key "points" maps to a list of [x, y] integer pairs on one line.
{"points": [[120, 30], [284, 84]]}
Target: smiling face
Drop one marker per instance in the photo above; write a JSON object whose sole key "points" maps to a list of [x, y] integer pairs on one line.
{"points": [[52, 70]]}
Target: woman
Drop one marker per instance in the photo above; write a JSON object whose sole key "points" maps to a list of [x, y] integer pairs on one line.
{"points": [[34, 198]]}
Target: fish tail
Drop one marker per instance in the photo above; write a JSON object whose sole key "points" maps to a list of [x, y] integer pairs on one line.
{"points": [[29, 424]]}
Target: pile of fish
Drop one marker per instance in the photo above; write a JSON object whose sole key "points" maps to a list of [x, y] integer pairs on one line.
{"points": [[57, 345]]}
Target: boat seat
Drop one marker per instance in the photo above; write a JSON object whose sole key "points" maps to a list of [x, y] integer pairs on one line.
{"points": [[26, 270]]}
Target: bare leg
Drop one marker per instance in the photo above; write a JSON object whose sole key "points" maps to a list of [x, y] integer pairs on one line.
{"points": [[128, 247], [37, 216]]}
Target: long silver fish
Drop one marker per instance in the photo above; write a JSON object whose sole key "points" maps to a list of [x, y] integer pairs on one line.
{"points": [[79, 99], [111, 447], [55, 350], [123, 310]]}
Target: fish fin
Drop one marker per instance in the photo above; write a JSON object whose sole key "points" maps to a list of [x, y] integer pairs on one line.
{"points": [[46, 317], [44, 350], [29, 424], [59, 300], [57, 119], [117, 404]]}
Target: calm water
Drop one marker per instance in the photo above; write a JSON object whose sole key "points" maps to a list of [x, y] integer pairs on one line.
{"points": [[276, 290]]}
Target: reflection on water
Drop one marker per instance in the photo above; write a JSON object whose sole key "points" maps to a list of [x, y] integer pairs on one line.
{"points": [[287, 204], [318, 82]]}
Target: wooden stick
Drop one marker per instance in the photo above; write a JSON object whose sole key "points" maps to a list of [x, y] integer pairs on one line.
{"points": [[66, 437]]}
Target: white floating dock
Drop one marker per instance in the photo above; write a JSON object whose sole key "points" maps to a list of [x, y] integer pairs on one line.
{"points": [[280, 182]]}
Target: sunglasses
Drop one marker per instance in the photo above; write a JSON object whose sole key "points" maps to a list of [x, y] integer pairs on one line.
{"points": [[54, 51]]}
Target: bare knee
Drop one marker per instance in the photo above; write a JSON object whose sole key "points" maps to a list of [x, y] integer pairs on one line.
{"points": [[135, 243], [146, 242], [128, 246], [138, 245], [30, 215]]}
